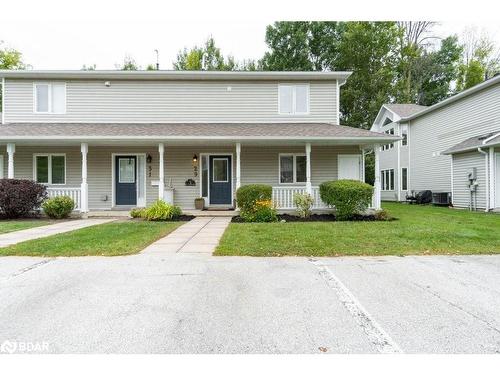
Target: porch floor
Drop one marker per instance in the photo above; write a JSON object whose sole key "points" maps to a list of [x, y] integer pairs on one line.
{"points": [[125, 213]]}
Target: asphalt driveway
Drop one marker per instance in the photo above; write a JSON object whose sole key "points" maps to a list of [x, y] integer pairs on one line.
{"points": [[189, 303]]}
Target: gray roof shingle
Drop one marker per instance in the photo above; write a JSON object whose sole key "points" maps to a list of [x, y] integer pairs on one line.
{"points": [[473, 143], [405, 110], [186, 130]]}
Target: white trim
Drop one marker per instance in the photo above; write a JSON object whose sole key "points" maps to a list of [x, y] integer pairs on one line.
{"points": [[113, 166], [294, 99], [452, 180], [50, 110], [49, 174], [337, 100], [294, 155], [238, 165], [1, 166], [492, 178], [200, 175], [398, 148], [2, 110], [496, 180], [393, 180]]}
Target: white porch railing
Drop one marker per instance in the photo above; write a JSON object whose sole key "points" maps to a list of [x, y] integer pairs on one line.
{"points": [[73, 193], [283, 197]]}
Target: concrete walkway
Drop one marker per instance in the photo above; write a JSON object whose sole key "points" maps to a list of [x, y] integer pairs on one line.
{"points": [[200, 235], [13, 238]]}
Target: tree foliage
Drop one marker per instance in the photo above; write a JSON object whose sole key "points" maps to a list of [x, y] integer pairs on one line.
{"points": [[206, 57], [129, 63], [10, 59]]}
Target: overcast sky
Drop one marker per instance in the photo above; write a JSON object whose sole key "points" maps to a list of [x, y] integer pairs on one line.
{"points": [[67, 34]]}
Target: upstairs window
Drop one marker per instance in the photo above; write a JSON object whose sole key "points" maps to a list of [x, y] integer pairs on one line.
{"points": [[50, 97], [404, 134], [389, 145], [50, 169], [293, 99]]}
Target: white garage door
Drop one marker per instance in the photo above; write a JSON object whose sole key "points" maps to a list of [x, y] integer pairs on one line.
{"points": [[349, 167]]}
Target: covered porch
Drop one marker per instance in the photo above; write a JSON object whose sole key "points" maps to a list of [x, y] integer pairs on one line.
{"points": [[112, 172]]}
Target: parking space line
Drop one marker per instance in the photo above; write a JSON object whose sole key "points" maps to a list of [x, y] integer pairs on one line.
{"points": [[29, 268], [376, 334]]}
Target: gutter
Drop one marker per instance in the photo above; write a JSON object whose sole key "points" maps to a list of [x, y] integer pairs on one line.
{"points": [[487, 177]]}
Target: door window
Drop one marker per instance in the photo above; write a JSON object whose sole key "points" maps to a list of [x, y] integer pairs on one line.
{"points": [[126, 170], [220, 171]]}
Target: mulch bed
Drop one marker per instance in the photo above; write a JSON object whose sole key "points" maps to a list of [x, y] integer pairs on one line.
{"points": [[312, 218]]}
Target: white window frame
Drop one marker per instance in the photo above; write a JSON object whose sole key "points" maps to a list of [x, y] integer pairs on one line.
{"points": [[227, 170], [388, 146], [35, 177], [294, 99], [383, 179], [404, 128], [50, 110], [401, 179], [294, 168]]}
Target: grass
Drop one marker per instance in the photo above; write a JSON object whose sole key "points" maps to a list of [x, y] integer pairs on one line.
{"points": [[420, 230], [7, 226], [115, 238]]}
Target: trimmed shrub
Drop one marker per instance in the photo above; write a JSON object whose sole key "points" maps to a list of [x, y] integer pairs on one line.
{"points": [[304, 203], [263, 211], [161, 211], [58, 207], [20, 198], [349, 197], [137, 212], [247, 195]]}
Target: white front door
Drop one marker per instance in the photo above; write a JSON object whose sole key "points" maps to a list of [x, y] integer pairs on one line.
{"points": [[497, 180], [349, 167]]}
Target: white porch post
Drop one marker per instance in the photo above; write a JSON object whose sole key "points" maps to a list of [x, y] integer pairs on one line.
{"points": [[11, 149], [238, 165], [376, 192], [84, 188], [491, 178], [161, 174], [308, 169]]}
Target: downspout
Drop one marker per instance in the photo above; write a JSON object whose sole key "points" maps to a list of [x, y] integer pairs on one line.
{"points": [[487, 174]]}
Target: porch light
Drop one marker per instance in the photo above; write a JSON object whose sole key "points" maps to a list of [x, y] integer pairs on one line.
{"points": [[195, 159], [149, 159]]}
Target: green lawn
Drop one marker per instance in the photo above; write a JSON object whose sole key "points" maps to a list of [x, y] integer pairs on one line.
{"points": [[419, 230], [13, 225], [115, 238]]}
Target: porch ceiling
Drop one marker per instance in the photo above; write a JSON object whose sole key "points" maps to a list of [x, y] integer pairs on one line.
{"points": [[190, 133]]}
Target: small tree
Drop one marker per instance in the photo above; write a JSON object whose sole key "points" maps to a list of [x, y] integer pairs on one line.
{"points": [[303, 202], [19, 198]]}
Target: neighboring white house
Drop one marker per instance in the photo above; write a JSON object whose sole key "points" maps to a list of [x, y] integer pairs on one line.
{"points": [[118, 139], [423, 161]]}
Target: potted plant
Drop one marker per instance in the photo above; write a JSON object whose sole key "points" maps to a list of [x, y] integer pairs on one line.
{"points": [[199, 203]]}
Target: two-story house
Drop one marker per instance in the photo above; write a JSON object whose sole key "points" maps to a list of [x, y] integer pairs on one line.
{"points": [[121, 139], [451, 147]]}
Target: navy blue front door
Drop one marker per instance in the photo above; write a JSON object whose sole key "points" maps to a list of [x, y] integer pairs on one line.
{"points": [[126, 180], [220, 179]]}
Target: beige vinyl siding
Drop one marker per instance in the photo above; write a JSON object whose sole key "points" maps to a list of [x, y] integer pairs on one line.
{"points": [[462, 165], [435, 132], [169, 101], [258, 165]]}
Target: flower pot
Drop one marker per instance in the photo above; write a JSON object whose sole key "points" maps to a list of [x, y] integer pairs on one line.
{"points": [[199, 203]]}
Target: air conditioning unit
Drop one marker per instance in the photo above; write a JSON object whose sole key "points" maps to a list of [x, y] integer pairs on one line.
{"points": [[441, 199]]}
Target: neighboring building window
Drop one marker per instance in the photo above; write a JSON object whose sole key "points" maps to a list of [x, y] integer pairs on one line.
{"points": [[50, 97], [387, 121], [404, 134], [50, 169], [387, 179], [293, 99], [404, 179], [292, 168], [389, 145]]}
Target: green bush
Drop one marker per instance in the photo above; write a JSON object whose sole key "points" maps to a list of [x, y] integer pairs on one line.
{"points": [[248, 195], [349, 197], [58, 207], [161, 211], [303, 202], [136, 212], [263, 211]]}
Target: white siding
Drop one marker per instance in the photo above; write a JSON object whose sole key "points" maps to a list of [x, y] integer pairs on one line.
{"points": [[435, 132], [169, 101], [462, 164]]}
